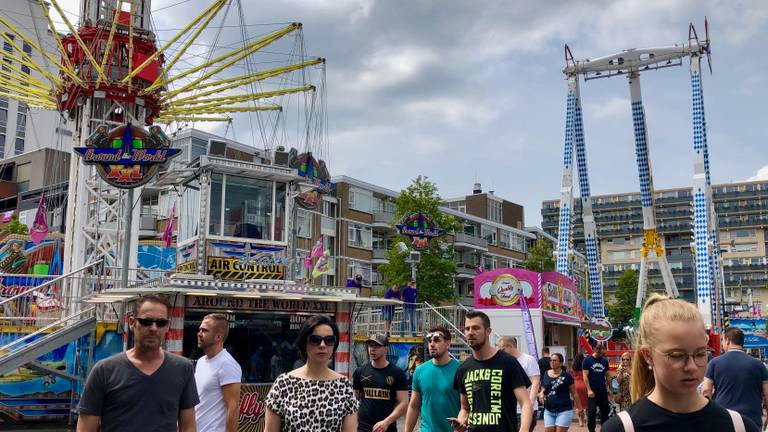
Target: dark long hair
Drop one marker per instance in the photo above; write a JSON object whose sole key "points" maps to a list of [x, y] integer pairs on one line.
{"points": [[578, 359], [309, 327]]}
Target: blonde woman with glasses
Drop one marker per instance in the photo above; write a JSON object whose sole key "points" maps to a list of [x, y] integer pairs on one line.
{"points": [[669, 365]]}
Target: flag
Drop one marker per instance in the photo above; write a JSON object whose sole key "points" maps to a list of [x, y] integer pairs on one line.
{"points": [[322, 266], [168, 233], [39, 228], [530, 339], [317, 249]]}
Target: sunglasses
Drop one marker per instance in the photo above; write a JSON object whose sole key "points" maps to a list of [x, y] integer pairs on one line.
{"points": [[147, 322], [317, 340], [434, 337]]}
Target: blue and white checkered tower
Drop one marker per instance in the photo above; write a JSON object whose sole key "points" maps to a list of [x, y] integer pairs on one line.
{"points": [[590, 228], [709, 282], [574, 134], [566, 189], [652, 240]]}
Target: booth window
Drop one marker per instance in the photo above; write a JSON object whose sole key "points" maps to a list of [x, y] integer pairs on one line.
{"points": [[248, 208], [190, 209], [214, 220]]}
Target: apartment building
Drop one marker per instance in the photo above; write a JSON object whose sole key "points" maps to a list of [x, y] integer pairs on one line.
{"points": [[24, 129], [492, 235], [742, 210]]}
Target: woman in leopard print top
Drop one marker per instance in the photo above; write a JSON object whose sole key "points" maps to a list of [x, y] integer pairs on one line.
{"points": [[313, 398]]}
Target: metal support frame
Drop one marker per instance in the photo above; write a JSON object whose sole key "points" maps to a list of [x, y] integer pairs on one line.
{"points": [[652, 240]]}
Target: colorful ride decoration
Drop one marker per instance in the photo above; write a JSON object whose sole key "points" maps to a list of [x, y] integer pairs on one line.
{"points": [[127, 156], [313, 171], [420, 228]]}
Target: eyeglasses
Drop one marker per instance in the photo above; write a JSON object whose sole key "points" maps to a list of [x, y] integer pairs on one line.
{"points": [[435, 337], [317, 340], [147, 322], [680, 358], [625, 359]]}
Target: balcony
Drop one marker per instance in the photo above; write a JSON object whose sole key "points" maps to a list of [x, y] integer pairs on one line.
{"points": [[380, 256], [466, 241], [465, 270], [382, 220]]}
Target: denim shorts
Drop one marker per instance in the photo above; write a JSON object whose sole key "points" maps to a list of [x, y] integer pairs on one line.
{"points": [[387, 313], [562, 419]]}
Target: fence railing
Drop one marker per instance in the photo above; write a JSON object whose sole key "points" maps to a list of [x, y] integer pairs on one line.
{"points": [[50, 303], [409, 321]]}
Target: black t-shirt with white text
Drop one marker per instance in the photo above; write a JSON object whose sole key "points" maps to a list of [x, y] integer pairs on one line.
{"points": [[378, 394], [649, 417], [489, 386]]}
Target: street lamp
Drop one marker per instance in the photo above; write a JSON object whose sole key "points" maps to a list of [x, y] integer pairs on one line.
{"points": [[413, 258]]}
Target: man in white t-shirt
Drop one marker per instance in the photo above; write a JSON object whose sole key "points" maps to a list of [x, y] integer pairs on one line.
{"points": [[531, 367], [217, 376]]}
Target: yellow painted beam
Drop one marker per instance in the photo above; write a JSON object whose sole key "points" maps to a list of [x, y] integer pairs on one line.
{"points": [[112, 31], [234, 82], [180, 118], [211, 14], [218, 110], [215, 6], [242, 98], [80, 42], [24, 78], [62, 51], [31, 101], [229, 58]]}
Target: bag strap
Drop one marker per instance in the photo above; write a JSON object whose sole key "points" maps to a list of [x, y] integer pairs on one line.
{"points": [[738, 422], [626, 421]]}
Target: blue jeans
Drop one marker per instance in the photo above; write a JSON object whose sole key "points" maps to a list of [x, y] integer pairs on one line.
{"points": [[561, 419], [409, 315]]}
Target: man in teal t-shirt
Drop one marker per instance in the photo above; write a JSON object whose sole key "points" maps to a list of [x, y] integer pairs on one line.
{"points": [[433, 394]]}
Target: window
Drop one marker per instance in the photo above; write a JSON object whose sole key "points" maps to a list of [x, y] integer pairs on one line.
{"points": [[744, 233], [19, 146], [214, 220], [198, 148], [380, 242], [304, 224], [489, 234], [361, 200], [301, 271], [360, 236], [517, 242], [248, 208], [149, 205], [329, 209], [3, 119], [279, 212], [2, 145], [23, 176], [488, 263], [494, 210], [747, 247], [355, 267]]}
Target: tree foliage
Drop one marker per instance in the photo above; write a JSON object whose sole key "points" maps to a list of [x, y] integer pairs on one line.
{"points": [[15, 227], [622, 309], [435, 272], [540, 257]]}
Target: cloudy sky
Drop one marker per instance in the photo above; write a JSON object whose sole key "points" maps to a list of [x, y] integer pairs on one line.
{"points": [[465, 91]]}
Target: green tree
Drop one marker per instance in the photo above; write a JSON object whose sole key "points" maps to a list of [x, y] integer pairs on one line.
{"points": [[622, 308], [435, 272], [540, 257], [15, 227]]}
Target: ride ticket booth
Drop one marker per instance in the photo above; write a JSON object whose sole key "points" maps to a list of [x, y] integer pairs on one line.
{"points": [[554, 308], [235, 256]]}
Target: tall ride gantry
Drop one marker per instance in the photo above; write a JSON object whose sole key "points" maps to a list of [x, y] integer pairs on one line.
{"points": [[708, 267]]}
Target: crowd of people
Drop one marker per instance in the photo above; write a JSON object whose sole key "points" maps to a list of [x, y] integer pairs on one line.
{"points": [[669, 385]]}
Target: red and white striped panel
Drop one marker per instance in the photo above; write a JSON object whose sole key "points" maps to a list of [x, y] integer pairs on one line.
{"points": [[343, 319], [174, 340]]}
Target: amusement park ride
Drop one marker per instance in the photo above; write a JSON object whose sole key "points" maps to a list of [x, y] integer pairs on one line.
{"points": [[123, 89], [708, 265]]}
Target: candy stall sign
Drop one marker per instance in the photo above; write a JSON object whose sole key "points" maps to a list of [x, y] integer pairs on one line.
{"points": [[501, 288]]}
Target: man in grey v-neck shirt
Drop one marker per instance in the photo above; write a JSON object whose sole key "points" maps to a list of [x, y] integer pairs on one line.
{"points": [[145, 388]]}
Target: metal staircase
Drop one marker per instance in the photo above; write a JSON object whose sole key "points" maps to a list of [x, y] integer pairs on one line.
{"points": [[43, 318]]}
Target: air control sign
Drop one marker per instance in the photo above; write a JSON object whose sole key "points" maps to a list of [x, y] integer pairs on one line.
{"points": [[236, 269]]}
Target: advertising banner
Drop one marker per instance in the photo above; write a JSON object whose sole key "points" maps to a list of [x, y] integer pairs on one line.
{"points": [[253, 407], [501, 288], [560, 298], [755, 334], [230, 260]]}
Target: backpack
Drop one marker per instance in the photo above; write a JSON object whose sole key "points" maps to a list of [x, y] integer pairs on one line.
{"points": [[738, 422]]}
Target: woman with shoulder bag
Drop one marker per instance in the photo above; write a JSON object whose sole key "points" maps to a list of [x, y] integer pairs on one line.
{"points": [[623, 397], [556, 391], [670, 361]]}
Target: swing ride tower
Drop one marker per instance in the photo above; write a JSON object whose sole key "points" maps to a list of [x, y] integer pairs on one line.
{"points": [[631, 63]]}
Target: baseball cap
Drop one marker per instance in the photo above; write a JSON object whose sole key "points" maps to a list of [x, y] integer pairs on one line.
{"points": [[379, 339]]}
